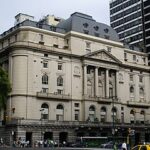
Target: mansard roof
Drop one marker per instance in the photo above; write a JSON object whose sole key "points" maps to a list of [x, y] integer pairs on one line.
{"points": [[83, 23]]}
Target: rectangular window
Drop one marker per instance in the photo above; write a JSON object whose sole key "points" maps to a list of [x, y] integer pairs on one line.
{"points": [[45, 64], [134, 57], [131, 77], [59, 117], [125, 56], [41, 37], [55, 45], [76, 118], [59, 66], [60, 57], [45, 90], [59, 91], [45, 55], [76, 104]]}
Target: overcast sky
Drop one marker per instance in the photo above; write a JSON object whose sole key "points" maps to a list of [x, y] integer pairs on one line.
{"points": [[98, 9]]}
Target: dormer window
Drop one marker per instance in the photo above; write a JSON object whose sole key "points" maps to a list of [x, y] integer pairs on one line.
{"points": [[96, 28], [85, 25], [106, 30]]}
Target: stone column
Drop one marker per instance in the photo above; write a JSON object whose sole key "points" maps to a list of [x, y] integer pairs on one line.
{"points": [[117, 84], [136, 88], [85, 80], [107, 83], [96, 81]]}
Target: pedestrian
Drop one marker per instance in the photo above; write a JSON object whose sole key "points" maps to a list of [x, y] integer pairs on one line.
{"points": [[124, 146]]}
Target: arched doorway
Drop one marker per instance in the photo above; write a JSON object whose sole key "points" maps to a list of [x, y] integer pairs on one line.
{"points": [[63, 136], [48, 136]]}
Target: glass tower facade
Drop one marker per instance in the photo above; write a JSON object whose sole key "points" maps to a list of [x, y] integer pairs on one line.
{"points": [[130, 18]]}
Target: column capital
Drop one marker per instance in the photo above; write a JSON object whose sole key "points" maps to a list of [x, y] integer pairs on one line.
{"points": [[96, 67], [107, 69], [85, 65]]}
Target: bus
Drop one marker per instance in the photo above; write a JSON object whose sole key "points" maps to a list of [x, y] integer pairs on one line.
{"points": [[90, 141]]}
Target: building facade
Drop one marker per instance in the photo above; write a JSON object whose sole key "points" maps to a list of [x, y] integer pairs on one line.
{"points": [[146, 11], [130, 19], [72, 80]]}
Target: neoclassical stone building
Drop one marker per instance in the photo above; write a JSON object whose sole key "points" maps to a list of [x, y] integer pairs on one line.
{"points": [[73, 78]]}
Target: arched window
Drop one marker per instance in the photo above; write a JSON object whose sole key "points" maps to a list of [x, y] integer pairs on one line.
{"points": [[60, 106], [44, 111], [114, 114], [60, 81], [59, 112], [103, 114], [92, 108], [132, 116], [92, 113], [44, 79]]}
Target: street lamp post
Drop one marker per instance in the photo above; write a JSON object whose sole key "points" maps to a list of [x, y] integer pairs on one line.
{"points": [[113, 121], [41, 110]]}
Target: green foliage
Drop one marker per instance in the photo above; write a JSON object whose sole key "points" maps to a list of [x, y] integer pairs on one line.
{"points": [[5, 88]]}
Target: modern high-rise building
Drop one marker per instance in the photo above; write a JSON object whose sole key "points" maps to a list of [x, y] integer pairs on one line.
{"points": [[130, 18], [146, 10], [73, 79]]}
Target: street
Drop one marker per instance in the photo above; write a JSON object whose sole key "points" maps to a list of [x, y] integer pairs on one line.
{"points": [[58, 148]]}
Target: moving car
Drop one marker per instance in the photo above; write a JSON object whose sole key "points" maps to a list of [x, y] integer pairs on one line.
{"points": [[141, 147], [107, 145]]}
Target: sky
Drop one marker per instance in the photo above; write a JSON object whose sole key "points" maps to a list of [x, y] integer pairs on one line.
{"points": [[98, 9]]}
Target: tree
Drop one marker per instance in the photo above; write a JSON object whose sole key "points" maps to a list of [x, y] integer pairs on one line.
{"points": [[5, 88]]}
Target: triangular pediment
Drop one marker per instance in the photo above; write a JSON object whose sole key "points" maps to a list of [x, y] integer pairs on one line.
{"points": [[103, 55]]}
